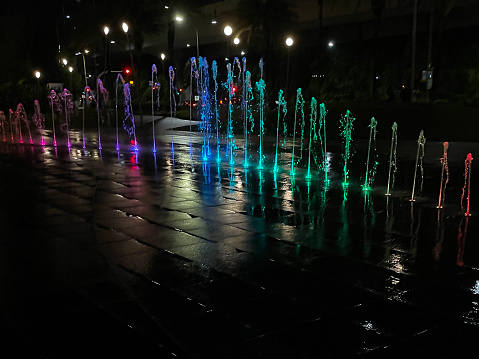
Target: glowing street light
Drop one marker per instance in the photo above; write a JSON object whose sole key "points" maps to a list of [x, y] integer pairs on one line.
{"points": [[179, 18], [331, 44], [37, 74], [163, 57], [64, 61], [124, 27], [236, 40], [228, 30], [289, 42]]}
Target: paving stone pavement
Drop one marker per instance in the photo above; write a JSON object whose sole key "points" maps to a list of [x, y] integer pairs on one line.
{"points": [[140, 255]]}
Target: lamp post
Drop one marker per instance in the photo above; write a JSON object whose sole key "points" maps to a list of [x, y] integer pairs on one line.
{"points": [[289, 42], [106, 31], [70, 70], [84, 64], [125, 29], [163, 56], [228, 31]]}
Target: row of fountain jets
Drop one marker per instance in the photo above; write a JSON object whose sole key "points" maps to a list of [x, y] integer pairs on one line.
{"points": [[62, 103]]}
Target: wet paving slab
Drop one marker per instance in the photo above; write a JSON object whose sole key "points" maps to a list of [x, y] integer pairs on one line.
{"points": [[134, 254]]}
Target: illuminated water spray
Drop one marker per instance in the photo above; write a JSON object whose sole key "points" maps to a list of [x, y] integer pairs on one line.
{"points": [[116, 113], [67, 99], [322, 140], [171, 74], [100, 89], [11, 120], [260, 87], [392, 158], [444, 181], [205, 107], [467, 184], [299, 108], [282, 110], [193, 74], [230, 142], [129, 119], [371, 170], [21, 117], [421, 141], [214, 68], [56, 106], [3, 119], [312, 120], [346, 127], [154, 85]]}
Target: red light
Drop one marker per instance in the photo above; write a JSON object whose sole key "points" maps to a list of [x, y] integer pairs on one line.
{"points": [[127, 71]]}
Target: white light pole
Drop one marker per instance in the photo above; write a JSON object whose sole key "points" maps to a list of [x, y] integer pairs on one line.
{"points": [[163, 56], [70, 70], [228, 31], [289, 42], [106, 31]]}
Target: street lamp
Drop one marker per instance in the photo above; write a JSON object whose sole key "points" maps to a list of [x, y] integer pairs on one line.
{"points": [[228, 31], [162, 57], [37, 74], [289, 42], [64, 61], [70, 70], [106, 31], [236, 40]]}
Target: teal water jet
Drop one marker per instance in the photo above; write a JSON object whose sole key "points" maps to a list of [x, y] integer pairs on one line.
{"points": [[260, 87], [204, 108], [214, 67], [346, 127], [248, 91], [312, 120], [230, 143], [299, 108], [282, 110], [322, 139]]}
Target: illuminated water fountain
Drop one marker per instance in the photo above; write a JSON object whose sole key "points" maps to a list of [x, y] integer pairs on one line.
{"points": [[371, 170], [260, 87], [39, 119], [19, 118], [392, 158], [56, 106], [466, 189], [67, 99], [312, 127], [299, 109], [444, 180], [216, 113], [282, 111], [2, 125], [346, 128], [154, 85], [204, 108], [421, 141]]}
